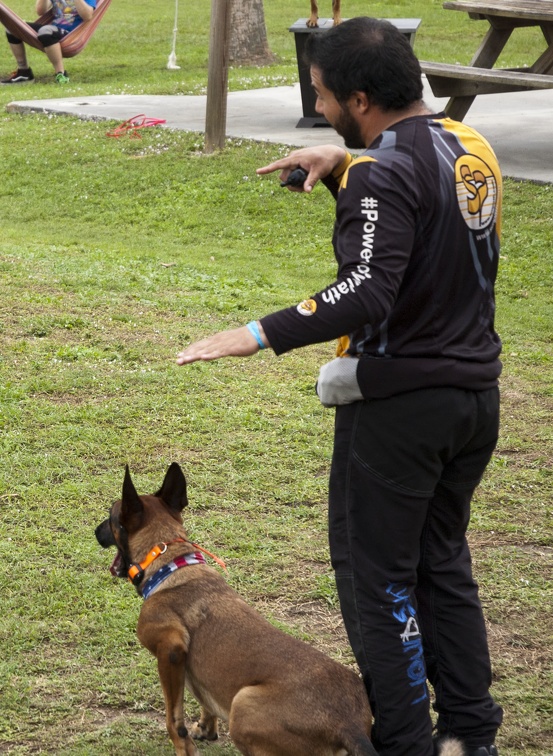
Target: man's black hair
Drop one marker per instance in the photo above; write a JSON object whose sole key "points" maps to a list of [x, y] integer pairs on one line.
{"points": [[367, 55]]}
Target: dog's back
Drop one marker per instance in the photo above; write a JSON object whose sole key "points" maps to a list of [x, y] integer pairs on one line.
{"points": [[242, 668]]}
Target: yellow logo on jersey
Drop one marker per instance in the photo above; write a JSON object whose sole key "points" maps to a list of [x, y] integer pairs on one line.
{"points": [[477, 192], [307, 307]]}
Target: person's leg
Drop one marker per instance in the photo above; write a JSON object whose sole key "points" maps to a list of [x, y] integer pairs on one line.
{"points": [[53, 53], [23, 73], [50, 36], [18, 48], [374, 530], [388, 460], [451, 619], [19, 53]]}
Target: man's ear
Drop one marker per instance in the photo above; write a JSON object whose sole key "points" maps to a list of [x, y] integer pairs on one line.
{"points": [[360, 101]]}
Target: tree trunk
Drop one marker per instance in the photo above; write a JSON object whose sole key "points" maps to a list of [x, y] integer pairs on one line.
{"points": [[248, 34]]}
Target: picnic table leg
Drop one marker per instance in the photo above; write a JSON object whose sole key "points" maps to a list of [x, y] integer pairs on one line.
{"points": [[486, 55], [458, 107], [547, 30], [544, 64]]}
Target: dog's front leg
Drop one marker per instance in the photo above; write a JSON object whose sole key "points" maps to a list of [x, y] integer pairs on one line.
{"points": [[171, 663], [206, 728], [312, 21], [336, 12]]}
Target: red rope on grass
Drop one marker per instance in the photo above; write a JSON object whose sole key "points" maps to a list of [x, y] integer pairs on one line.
{"points": [[132, 126]]}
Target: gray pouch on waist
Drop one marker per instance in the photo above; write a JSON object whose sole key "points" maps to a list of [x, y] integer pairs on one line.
{"points": [[337, 382]]}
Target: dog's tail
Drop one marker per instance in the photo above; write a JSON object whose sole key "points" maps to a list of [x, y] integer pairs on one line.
{"points": [[451, 747]]}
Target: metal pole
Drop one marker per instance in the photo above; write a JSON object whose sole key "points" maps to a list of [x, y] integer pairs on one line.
{"points": [[217, 77]]}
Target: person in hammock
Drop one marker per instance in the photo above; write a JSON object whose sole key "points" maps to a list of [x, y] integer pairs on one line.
{"points": [[68, 14]]}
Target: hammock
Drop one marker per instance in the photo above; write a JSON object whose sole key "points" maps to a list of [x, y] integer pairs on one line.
{"points": [[71, 45]]}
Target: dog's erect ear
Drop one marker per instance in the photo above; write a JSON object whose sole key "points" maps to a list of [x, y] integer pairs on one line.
{"points": [[173, 489], [132, 508]]}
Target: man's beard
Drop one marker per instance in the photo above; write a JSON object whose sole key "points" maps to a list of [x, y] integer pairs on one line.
{"points": [[349, 130]]}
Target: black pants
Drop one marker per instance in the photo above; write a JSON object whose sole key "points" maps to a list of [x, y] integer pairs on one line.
{"points": [[403, 474], [48, 34]]}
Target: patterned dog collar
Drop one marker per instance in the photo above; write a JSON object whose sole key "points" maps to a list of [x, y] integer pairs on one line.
{"points": [[163, 573]]}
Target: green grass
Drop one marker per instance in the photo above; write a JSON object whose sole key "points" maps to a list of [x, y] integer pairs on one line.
{"points": [[116, 253]]}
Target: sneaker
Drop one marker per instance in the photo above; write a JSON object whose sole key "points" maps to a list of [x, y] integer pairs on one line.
{"points": [[62, 78], [21, 76]]}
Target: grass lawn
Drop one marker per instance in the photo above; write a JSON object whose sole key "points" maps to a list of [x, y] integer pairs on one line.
{"points": [[114, 254]]}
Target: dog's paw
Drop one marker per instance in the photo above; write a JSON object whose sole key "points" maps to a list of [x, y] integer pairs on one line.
{"points": [[200, 732]]}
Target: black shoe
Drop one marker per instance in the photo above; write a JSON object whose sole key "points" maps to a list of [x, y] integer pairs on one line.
{"points": [[21, 76]]}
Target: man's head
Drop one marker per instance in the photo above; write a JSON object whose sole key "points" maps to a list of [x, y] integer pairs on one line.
{"points": [[367, 55], [361, 67]]}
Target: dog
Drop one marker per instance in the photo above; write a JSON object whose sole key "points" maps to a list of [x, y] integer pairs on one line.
{"points": [[312, 21], [280, 696]]}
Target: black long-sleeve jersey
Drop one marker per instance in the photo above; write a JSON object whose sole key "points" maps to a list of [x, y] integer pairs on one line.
{"points": [[416, 239]]}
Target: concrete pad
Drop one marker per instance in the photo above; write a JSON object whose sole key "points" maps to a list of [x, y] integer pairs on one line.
{"points": [[518, 125]]}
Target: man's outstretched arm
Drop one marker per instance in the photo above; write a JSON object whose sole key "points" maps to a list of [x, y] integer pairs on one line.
{"points": [[238, 342]]}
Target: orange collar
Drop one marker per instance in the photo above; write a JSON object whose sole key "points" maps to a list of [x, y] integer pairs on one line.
{"points": [[136, 571]]}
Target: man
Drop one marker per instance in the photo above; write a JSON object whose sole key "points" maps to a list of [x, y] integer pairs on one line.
{"points": [[67, 15], [415, 383]]}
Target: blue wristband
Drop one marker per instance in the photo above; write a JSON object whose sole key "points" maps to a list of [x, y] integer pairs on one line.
{"points": [[253, 328]]}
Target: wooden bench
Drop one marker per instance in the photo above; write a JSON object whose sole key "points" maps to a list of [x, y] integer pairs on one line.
{"points": [[447, 80]]}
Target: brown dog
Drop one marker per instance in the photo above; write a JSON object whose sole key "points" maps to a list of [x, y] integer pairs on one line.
{"points": [[312, 21], [280, 696]]}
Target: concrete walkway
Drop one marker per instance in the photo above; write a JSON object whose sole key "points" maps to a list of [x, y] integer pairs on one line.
{"points": [[518, 125]]}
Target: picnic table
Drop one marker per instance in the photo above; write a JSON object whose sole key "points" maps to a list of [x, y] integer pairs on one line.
{"points": [[463, 83]]}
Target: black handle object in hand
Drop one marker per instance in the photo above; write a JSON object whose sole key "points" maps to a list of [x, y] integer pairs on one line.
{"points": [[296, 178]]}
